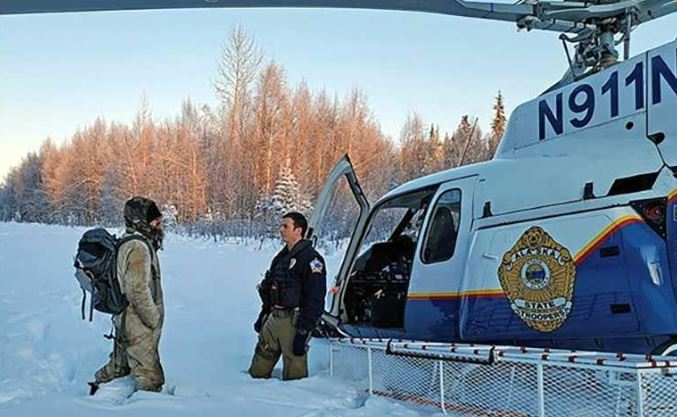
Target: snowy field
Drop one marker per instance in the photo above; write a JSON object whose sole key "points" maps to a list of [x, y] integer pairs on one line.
{"points": [[47, 353]]}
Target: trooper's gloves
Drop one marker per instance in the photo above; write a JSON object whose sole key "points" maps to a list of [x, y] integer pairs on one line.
{"points": [[300, 341]]}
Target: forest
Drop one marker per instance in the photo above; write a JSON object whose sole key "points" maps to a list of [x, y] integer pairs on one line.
{"points": [[229, 169]]}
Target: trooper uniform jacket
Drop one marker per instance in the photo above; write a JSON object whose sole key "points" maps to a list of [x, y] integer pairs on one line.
{"points": [[296, 279]]}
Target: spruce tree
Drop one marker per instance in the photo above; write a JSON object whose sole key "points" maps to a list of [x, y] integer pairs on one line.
{"points": [[498, 123], [287, 195], [434, 153], [450, 152], [464, 128], [463, 139]]}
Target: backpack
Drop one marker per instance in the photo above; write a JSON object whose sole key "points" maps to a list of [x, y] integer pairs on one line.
{"points": [[96, 271]]}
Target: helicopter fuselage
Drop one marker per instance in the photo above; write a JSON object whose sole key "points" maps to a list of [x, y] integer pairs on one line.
{"points": [[566, 239]]}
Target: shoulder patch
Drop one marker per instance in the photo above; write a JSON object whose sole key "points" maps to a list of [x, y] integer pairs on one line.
{"points": [[316, 266]]}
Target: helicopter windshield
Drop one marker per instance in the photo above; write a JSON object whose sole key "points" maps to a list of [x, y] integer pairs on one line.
{"points": [[397, 224], [389, 223]]}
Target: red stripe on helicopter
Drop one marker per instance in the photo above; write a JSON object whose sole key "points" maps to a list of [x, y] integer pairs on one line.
{"points": [[433, 296]]}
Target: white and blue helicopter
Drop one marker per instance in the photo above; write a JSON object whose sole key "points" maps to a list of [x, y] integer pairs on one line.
{"points": [[566, 239]]}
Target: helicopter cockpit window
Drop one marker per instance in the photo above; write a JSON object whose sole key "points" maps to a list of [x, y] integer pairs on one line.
{"points": [[443, 228], [392, 234], [379, 279]]}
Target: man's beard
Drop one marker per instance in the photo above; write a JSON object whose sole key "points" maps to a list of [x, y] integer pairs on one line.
{"points": [[156, 237]]}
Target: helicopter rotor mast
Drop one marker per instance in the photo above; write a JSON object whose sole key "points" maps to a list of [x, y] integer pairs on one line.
{"points": [[607, 24], [594, 27]]}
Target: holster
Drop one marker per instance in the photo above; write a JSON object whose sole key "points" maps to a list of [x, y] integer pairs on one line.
{"points": [[264, 289]]}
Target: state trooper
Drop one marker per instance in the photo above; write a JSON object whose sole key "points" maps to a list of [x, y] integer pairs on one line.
{"points": [[292, 295]]}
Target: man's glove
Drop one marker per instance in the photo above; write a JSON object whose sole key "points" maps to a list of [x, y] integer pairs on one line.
{"points": [[300, 340]]}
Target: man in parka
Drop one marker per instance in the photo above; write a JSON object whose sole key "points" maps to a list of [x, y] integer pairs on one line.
{"points": [[138, 328], [293, 301]]}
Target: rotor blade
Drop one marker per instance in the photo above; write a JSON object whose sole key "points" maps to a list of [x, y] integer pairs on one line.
{"points": [[522, 14], [556, 16], [653, 9], [495, 11], [576, 12]]}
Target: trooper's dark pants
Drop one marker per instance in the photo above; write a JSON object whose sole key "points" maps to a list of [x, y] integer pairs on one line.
{"points": [[275, 340]]}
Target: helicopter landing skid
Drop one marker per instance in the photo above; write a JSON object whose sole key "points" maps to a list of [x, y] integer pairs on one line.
{"points": [[508, 381]]}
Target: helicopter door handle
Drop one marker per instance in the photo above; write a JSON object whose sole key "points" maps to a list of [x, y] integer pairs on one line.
{"points": [[490, 256]]}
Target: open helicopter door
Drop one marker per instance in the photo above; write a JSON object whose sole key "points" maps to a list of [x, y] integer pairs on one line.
{"points": [[330, 206]]}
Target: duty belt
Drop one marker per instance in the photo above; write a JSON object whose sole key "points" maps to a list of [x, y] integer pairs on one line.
{"points": [[283, 312]]}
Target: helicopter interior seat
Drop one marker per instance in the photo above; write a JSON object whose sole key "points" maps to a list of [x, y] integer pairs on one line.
{"points": [[379, 283], [442, 240], [393, 264], [399, 250]]}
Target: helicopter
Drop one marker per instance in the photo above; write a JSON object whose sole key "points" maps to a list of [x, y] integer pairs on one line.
{"points": [[567, 238]]}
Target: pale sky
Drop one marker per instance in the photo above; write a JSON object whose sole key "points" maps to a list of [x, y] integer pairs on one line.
{"points": [[59, 72]]}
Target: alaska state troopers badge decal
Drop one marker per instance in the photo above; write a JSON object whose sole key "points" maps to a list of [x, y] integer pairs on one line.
{"points": [[538, 276]]}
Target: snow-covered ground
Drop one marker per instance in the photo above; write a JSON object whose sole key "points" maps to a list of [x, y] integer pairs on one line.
{"points": [[47, 353]]}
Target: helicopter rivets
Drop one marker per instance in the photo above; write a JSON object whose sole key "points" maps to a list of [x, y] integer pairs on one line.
{"points": [[629, 125]]}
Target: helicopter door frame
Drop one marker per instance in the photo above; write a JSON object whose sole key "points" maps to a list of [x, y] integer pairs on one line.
{"points": [[434, 286], [343, 168]]}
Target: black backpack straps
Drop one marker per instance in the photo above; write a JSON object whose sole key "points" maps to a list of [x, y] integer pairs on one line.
{"points": [[121, 338], [91, 308], [82, 304]]}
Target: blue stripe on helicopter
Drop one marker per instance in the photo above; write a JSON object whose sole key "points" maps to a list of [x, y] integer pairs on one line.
{"points": [[601, 282]]}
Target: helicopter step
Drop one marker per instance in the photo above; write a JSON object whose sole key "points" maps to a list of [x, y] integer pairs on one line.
{"points": [[508, 381]]}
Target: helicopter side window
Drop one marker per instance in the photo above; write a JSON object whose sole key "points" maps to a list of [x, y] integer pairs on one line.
{"points": [[443, 228]]}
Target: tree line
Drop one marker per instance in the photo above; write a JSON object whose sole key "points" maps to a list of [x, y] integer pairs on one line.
{"points": [[265, 148]]}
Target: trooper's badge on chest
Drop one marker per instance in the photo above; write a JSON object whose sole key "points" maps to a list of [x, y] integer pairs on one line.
{"points": [[292, 263], [316, 266]]}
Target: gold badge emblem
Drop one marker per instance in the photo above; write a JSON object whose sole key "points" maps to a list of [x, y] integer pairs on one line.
{"points": [[538, 276]]}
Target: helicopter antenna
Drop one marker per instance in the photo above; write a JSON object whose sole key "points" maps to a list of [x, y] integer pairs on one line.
{"points": [[467, 143], [566, 51]]}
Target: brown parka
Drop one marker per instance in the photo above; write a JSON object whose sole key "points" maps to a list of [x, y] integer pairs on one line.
{"points": [[139, 327]]}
